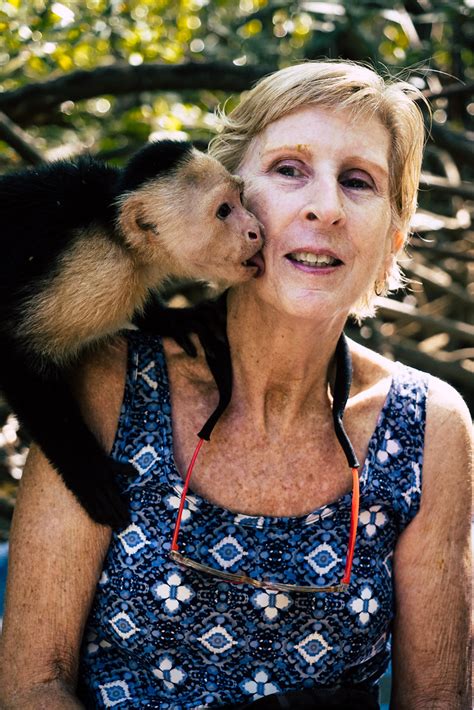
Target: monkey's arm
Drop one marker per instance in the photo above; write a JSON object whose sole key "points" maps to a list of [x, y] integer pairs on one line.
{"points": [[207, 320]]}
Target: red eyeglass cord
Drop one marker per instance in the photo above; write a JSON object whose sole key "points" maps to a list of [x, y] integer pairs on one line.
{"points": [[353, 528], [174, 542]]}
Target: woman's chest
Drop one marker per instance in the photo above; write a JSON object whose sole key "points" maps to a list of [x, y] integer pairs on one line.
{"points": [[290, 473], [288, 470]]}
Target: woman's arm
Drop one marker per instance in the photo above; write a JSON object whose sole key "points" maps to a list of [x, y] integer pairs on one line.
{"points": [[56, 554], [431, 569]]}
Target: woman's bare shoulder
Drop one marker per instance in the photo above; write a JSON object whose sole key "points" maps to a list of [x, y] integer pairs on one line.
{"points": [[445, 406], [448, 430], [448, 437], [372, 373]]}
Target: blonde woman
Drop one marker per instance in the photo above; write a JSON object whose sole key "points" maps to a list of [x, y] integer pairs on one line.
{"points": [[279, 585]]}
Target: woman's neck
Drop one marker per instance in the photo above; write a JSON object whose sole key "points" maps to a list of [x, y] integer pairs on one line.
{"points": [[281, 365]]}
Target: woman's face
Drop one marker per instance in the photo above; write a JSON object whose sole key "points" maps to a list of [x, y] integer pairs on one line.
{"points": [[318, 181]]}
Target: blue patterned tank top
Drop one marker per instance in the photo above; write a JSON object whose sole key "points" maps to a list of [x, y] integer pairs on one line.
{"points": [[162, 636]]}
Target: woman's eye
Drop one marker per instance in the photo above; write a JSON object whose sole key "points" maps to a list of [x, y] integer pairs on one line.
{"points": [[288, 170], [356, 183], [223, 211]]}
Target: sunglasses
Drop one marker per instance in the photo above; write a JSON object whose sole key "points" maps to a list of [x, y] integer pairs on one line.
{"points": [[341, 393]]}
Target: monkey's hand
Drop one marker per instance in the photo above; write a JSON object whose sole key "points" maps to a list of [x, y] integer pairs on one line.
{"points": [[88, 471], [207, 320], [94, 483]]}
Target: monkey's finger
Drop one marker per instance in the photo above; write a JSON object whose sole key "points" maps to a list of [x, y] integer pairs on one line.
{"points": [[124, 469], [98, 493], [185, 342], [104, 505]]}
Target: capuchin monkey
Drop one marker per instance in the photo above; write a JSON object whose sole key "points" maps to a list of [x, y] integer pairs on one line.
{"points": [[83, 247]]}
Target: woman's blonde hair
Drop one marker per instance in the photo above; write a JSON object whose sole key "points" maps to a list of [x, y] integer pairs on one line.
{"points": [[337, 84]]}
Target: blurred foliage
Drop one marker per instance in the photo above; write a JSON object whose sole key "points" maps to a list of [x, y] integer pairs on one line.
{"points": [[43, 40], [40, 40]]}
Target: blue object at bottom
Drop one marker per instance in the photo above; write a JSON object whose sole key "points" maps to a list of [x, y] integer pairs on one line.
{"points": [[3, 572]]}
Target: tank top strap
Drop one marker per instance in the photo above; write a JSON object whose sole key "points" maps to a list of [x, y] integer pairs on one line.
{"points": [[395, 461], [143, 434]]}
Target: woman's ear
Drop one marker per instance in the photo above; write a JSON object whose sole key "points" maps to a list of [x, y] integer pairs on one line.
{"points": [[398, 240]]}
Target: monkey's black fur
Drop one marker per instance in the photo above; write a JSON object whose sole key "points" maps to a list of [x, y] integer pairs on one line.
{"points": [[41, 211], [43, 206], [152, 161]]}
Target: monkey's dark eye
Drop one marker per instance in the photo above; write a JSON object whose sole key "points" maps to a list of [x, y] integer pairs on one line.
{"points": [[223, 211]]}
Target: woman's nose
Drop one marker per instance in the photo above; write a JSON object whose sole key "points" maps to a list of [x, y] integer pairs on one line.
{"points": [[324, 207]]}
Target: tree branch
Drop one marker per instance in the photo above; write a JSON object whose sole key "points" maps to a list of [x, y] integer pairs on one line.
{"points": [[26, 104], [450, 371], [388, 307], [441, 281], [20, 141], [442, 251], [460, 148], [458, 89], [440, 184]]}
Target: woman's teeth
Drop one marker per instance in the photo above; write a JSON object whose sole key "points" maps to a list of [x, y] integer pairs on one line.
{"points": [[306, 257]]}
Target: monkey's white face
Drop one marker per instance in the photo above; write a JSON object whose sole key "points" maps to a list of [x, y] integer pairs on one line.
{"points": [[223, 239], [318, 181], [193, 224]]}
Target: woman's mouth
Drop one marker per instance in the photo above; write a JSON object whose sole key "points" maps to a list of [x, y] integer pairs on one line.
{"points": [[309, 261]]}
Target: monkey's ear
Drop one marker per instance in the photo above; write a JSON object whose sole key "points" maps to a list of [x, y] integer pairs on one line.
{"points": [[137, 232]]}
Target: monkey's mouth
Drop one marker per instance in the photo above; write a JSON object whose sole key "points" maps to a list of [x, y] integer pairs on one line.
{"points": [[256, 262]]}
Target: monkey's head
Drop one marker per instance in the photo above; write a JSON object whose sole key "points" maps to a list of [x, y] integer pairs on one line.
{"points": [[180, 213]]}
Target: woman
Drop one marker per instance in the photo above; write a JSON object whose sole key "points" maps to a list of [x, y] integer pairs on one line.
{"points": [[331, 157]]}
